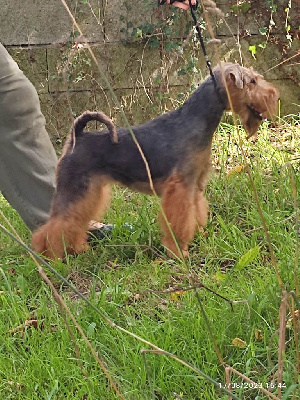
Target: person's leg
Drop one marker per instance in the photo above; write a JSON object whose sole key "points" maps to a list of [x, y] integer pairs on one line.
{"points": [[27, 157]]}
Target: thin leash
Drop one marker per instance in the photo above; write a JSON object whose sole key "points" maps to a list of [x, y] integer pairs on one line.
{"points": [[193, 8]]}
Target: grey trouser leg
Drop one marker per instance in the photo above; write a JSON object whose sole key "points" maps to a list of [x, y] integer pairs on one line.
{"points": [[27, 157]]}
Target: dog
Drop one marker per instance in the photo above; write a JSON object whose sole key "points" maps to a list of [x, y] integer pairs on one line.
{"points": [[177, 149]]}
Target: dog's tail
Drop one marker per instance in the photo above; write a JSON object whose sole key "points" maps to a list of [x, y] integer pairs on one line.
{"points": [[81, 122]]}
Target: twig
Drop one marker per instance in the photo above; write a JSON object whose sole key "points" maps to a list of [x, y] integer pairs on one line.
{"points": [[227, 377], [245, 378], [28, 322], [281, 344], [284, 61], [177, 54], [212, 337], [193, 368], [274, 223], [195, 286]]}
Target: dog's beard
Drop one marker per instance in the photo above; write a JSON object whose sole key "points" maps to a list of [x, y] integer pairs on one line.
{"points": [[251, 120]]}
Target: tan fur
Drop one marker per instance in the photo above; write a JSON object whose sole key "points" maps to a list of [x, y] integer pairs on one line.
{"points": [[177, 195], [67, 233], [261, 95]]}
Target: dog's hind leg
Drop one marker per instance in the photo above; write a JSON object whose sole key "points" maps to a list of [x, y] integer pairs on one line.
{"points": [[179, 208], [66, 230], [102, 202]]}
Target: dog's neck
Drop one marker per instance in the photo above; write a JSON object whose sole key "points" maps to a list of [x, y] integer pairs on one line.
{"points": [[209, 95], [205, 106]]}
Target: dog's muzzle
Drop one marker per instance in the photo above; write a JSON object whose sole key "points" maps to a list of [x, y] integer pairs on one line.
{"points": [[256, 113]]}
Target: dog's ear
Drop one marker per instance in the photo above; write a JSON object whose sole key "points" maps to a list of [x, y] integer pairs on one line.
{"points": [[237, 77]]}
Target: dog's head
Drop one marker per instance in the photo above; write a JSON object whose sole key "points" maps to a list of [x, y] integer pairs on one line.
{"points": [[251, 96]]}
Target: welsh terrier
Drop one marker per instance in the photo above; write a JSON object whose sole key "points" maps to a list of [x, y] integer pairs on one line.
{"points": [[177, 147]]}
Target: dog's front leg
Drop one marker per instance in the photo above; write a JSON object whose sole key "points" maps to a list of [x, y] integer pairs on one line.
{"points": [[178, 206]]}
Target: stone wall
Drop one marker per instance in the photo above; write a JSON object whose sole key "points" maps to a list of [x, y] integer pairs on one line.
{"points": [[131, 44]]}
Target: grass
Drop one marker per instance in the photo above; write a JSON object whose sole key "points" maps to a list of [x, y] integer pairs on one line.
{"points": [[125, 278]]}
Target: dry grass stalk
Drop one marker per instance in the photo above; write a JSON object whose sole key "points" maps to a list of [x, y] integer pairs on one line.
{"points": [[281, 342], [245, 378], [227, 377]]}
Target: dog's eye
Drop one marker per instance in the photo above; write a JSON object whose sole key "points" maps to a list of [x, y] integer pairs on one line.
{"points": [[253, 80]]}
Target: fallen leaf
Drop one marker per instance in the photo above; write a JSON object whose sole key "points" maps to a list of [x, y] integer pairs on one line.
{"points": [[21, 328], [237, 342], [175, 296], [236, 170], [258, 334]]}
